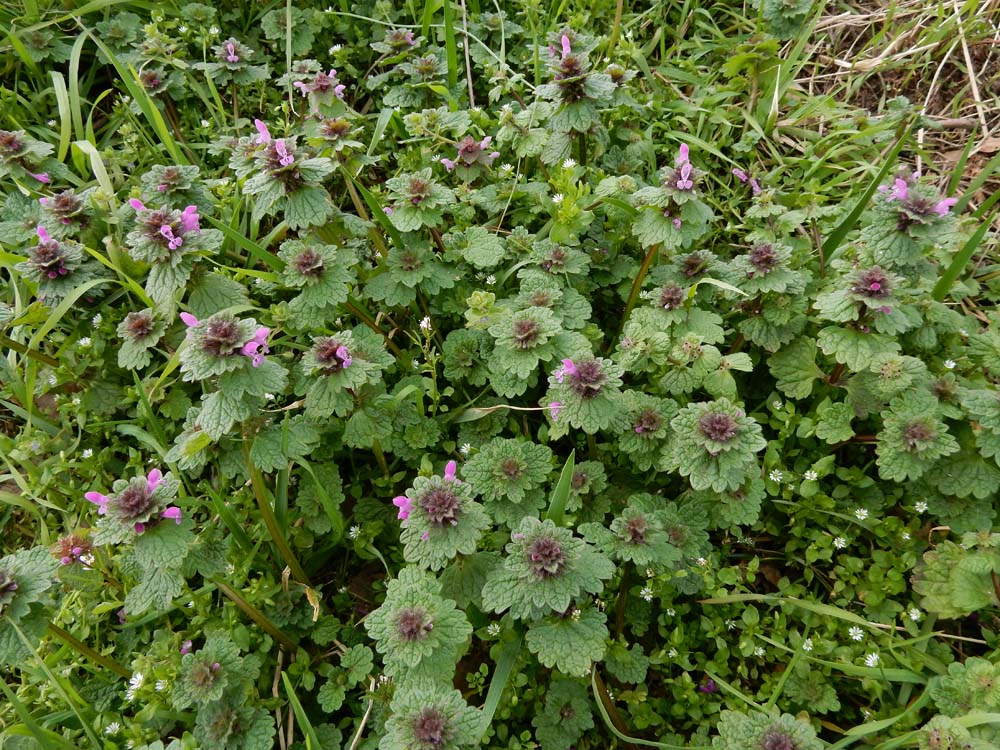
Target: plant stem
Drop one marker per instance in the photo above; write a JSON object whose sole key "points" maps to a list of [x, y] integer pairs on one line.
{"points": [[633, 295], [22, 349], [89, 652], [257, 616], [581, 149]]}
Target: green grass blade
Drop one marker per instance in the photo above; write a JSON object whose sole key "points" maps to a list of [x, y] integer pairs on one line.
{"points": [[47, 739], [557, 503], [501, 674], [450, 47], [836, 237], [312, 740], [252, 248], [961, 260], [600, 694], [65, 118]]}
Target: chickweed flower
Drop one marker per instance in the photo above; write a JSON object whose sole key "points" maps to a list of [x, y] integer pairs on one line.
{"points": [[856, 633], [872, 660]]}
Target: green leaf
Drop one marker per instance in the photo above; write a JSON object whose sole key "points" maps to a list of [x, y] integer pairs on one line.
{"points": [[557, 503], [156, 591], [570, 644], [794, 367]]}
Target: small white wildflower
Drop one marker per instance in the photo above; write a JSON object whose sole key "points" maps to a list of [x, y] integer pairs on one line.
{"points": [[464, 450], [269, 397], [96, 320], [87, 452], [949, 364], [569, 164], [416, 364], [182, 29], [920, 507], [672, 653], [87, 560], [75, 401], [671, 612], [493, 629], [646, 593], [160, 686], [205, 123], [810, 476], [702, 561], [856, 633], [354, 532], [777, 404], [230, 568], [53, 380], [861, 513], [126, 98], [85, 342], [51, 123], [906, 536], [840, 542], [871, 660], [759, 651], [576, 615], [600, 604], [505, 167], [113, 728], [649, 573], [190, 604], [557, 198], [384, 679], [914, 614], [335, 49], [491, 280], [730, 625], [776, 475], [807, 644], [342, 590], [965, 334], [213, 30], [425, 324], [134, 685]]}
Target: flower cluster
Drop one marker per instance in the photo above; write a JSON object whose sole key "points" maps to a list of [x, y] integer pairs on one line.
{"points": [[134, 505]]}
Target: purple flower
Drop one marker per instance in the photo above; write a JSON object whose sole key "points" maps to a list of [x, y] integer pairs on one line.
{"points": [[231, 55], [323, 83], [190, 221], [153, 479], [741, 175], [257, 347], [43, 235], [344, 356], [683, 175], [900, 190], [404, 504], [101, 501], [554, 408], [173, 241], [41, 177], [755, 186], [449, 471], [186, 647], [136, 204], [708, 686], [471, 152], [677, 223], [264, 135], [172, 512], [568, 368], [284, 157], [942, 207], [189, 320]]}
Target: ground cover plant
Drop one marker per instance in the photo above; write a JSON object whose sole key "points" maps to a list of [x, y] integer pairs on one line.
{"points": [[454, 375]]}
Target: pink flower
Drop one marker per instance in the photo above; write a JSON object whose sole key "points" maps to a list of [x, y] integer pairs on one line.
{"points": [[264, 135], [189, 320], [740, 174], [257, 347], [567, 48], [677, 223], [425, 536], [140, 528], [174, 513], [517, 535], [568, 368], [899, 191], [448, 163], [944, 206], [136, 204], [173, 241], [685, 182], [232, 56], [101, 501], [682, 155], [153, 479], [285, 158], [42, 234], [449, 471], [344, 356], [41, 177], [755, 186], [404, 504], [554, 408], [190, 221], [186, 647]]}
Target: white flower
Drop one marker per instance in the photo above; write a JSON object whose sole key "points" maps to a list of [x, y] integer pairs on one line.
{"points": [[133, 686], [856, 633], [213, 30], [600, 604], [914, 614], [205, 123], [840, 542], [96, 320], [425, 324], [87, 452], [672, 653], [493, 629], [730, 625], [53, 380], [87, 560], [777, 404], [464, 450], [85, 342], [50, 123], [335, 49], [810, 476], [557, 198], [113, 728], [807, 644], [776, 475], [161, 685], [569, 164], [949, 364], [759, 651], [75, 400], [416, 364], [920, 507], [702, 561], [354, 532], [491, 280], [671, 612], [182, 29], [646, 593], [861, 513], [269, 397], [575, 614], [906, 536], [649, 573], [871, 660], [506, 167]]}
